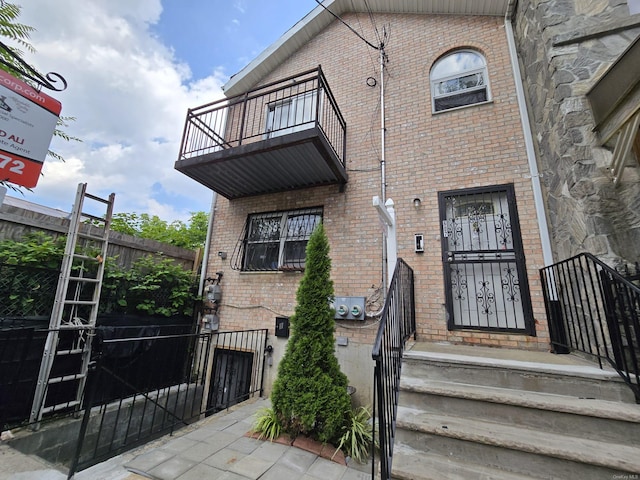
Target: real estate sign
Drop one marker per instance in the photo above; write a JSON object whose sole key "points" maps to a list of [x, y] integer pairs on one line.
{"points": [[27, 121]]}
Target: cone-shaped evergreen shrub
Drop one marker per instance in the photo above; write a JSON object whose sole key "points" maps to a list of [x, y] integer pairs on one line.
{"points": [[310, 393]]}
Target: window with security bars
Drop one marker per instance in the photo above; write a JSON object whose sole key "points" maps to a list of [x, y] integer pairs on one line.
{"points": [[276, 240]]}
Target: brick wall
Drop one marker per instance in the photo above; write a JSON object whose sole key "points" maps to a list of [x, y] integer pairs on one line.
{"points": [[477, 146]]}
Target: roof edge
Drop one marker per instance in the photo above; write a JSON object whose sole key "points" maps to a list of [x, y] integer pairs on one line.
{"points": [[319, 18]]}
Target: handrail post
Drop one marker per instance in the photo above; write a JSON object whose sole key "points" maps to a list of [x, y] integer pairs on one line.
{"points": [[242, 120], [88, 405]]}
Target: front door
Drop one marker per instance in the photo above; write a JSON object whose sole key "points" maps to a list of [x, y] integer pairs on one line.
{"points": [[484, 267]]}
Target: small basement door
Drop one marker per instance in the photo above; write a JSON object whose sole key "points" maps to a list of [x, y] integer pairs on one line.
{"points": [[486, 285], [231, 378]]}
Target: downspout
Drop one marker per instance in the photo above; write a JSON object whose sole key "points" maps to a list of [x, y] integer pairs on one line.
{"points": [[207, 245], [383, 171], [545, 238]]}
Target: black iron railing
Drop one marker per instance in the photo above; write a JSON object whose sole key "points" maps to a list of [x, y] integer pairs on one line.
{"points": [[289, 104], [594, 310], [173, 395], [398, 323]]}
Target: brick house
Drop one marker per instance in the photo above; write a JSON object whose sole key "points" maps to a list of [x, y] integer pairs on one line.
{"points": [[485, 144], [300, 139], [453, 160]]}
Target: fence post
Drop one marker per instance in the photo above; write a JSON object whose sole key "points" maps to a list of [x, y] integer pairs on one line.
{"points": [[89, 398]]}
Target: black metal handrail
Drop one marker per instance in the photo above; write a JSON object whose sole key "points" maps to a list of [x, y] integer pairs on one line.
{"points": [[146, 406], [296, 102], [594, 310], [397, 324]]}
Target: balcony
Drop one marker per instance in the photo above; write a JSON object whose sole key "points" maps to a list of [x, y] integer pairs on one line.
{"points": [[286, 135]]}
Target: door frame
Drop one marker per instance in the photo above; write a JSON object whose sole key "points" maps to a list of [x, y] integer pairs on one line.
{"points": [[519, 260]]}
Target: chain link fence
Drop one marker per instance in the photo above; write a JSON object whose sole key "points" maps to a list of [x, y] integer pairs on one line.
{"points": [[26, 292]]}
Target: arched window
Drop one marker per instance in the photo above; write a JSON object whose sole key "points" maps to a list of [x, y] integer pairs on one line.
{"points": [[459, 79]]}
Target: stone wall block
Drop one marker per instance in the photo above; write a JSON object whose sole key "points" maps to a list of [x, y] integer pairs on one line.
{"points": [[597, 245], [582, 188], [561, 92]]}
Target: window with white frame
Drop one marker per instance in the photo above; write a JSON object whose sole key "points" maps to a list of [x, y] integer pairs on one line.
{"points": [[291, 114], [459, 79], [278, 240]]}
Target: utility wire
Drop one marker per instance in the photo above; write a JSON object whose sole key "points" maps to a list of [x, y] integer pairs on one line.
{"points": [[373, 22], [373, 61], [319, 2]]}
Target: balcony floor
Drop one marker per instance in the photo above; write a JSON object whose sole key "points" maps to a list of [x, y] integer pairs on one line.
{"points": [[288, 162]]}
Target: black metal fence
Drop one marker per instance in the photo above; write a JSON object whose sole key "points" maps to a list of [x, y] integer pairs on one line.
{"points": [[594, 310], [162, 391], [398, 323], [21, 347]]}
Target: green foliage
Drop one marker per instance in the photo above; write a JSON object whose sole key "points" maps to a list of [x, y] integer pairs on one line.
{"points": [[11, 29], [357, 437], [186, 235], [310, 393], [36, 249], [152, 286], [267, 424]]}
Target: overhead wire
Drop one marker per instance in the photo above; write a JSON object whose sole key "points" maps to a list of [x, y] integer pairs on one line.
{"points": [[373, 61], [319, 2]]}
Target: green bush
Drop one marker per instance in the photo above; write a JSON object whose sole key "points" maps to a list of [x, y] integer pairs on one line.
{"points": [[310, 392], [153, 285], [36, 249]]}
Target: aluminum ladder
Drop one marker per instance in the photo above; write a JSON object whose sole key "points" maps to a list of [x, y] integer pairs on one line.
{"points": [[67, 351]]}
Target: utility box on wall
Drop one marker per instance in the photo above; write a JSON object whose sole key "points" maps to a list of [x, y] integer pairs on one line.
{"points": [[349, 308], [282, 327]]}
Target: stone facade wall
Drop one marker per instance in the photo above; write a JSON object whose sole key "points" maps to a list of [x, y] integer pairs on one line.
{"points": [[564, 46], [426, 153]]}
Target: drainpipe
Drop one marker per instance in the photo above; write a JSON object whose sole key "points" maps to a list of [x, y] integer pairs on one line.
{"points": [[545, 238], [207, 245], [383, 172]]}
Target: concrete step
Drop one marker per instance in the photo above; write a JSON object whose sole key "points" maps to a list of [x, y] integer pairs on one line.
{"points": [[603, 420], [512, 448], [572, 376], [410, 464]]}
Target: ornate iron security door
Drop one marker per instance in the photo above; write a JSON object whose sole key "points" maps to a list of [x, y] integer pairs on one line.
{"points": [[485, 279]]}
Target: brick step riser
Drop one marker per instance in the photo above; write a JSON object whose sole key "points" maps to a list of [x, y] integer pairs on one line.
{"points": [[583, 426], [520, 462], [504, 377]]}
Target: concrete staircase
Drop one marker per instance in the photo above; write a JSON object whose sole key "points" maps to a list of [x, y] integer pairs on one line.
{"points": [[482, 413]]}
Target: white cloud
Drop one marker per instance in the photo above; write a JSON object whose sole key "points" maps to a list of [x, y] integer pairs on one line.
{"points": [[240, 5], [129, 96]]}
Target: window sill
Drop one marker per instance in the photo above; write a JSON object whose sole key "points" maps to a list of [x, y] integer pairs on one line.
{"points": [[461, 107], [270, 272]]}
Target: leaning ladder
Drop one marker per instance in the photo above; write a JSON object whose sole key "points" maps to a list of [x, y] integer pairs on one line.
{"points": [[67, 351]]}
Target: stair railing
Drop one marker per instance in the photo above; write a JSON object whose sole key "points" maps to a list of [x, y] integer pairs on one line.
{"points": [[397, 324], [594, 310]]}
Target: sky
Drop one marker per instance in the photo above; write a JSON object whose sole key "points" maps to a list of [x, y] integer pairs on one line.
{"points": [[133, 68]]}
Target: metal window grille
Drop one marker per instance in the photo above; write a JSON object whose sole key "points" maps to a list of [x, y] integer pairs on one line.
{"points": [[276, 240]]}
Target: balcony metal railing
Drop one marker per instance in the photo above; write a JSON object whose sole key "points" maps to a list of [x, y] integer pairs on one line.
{"points": [[594, 310], [398, 323], [278, 108]]}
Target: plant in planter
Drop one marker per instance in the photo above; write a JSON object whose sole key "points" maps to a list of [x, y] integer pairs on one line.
{"points": [[357, 437], [310, 392]]}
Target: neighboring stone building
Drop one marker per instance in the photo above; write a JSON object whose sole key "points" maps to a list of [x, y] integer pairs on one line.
{"points": [[580, 63]]}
